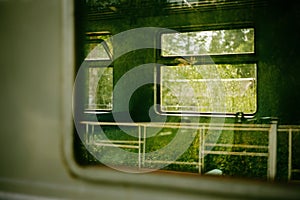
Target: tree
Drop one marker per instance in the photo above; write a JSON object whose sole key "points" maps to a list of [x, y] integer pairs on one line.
{"points": [[187, 87]]}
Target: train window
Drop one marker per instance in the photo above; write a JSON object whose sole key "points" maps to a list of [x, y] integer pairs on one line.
{"points": [[98, 51], [100, 89], [238, 80], [98, 46], [207, 65], [213, 42], [207, 74]]}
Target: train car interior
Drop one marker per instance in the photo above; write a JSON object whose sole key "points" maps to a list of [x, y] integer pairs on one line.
{"points": [[150, 99]]}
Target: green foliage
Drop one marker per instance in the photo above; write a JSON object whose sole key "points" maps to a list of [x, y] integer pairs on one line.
{"points": [[231, 165], [100, 88], [227, 88], [191, 87], [99, 77], [215, 42]]}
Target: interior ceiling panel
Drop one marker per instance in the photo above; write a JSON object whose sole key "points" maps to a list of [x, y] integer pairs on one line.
{"points": [[109, 9]]}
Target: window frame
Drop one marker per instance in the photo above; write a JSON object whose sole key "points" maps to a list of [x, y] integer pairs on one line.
{"points": [[238, 58], [91, 38]]}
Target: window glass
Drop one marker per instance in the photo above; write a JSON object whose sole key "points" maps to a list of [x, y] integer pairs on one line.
{"points": [[100, 88], [96, 52], [99, 82], [191, 88], [214, 42]]}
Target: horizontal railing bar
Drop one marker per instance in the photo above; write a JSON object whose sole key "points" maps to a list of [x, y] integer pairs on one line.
{"points": [[289, 126], [210, 79], [183, 124], [120, 141], [216, 128], [116, 145], [171, 162], [237, 145], [288, 129], [250, 128], [238, 129], [236, 153], [109, 123], [216, 124]]}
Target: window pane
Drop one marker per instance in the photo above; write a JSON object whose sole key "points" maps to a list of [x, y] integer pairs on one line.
{"points": [[215, 42], [96, 51], [98, 46], [100, 92], [224, 88]]}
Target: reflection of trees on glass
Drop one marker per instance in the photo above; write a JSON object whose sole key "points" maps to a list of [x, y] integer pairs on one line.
{"points": [[233, 41], [96, 52], [214, 42], [94, 48], [209, 88], [187, 88], [100, 88], [100, 77]]}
